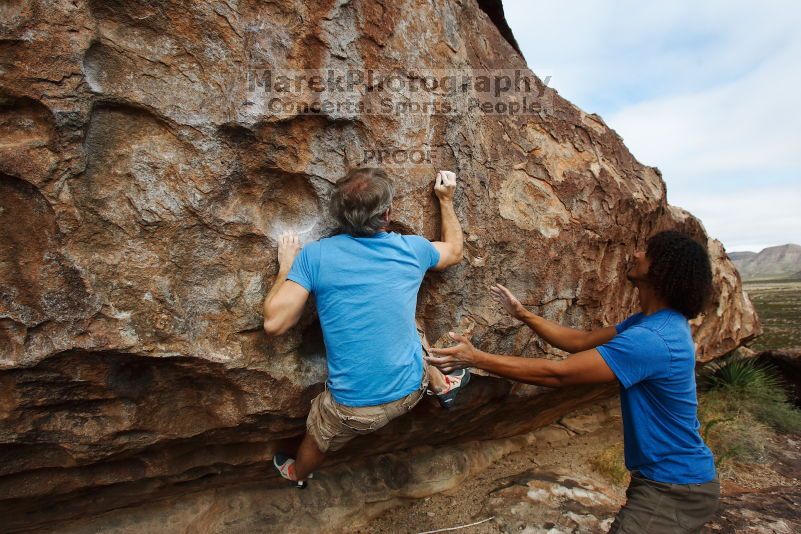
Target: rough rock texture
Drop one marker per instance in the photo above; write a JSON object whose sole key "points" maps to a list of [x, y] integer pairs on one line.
{"points": [[543, 502], [344, 497], [340, 499], [142, 185], [539, 502], [771, 511]]}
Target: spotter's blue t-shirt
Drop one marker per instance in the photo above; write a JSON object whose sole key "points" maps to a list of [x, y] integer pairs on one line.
{"points": [[366, 294], [653, 357]]}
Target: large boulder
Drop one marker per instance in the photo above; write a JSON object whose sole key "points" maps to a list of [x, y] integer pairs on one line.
{"points": [[144, 178]]}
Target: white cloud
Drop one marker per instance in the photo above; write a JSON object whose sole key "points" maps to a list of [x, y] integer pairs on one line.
{"points": [[706, 91], [601, 52], [751, 124], [750, 218]]}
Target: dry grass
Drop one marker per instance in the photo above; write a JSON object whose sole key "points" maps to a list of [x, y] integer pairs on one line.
{"points": [[743, 404], [732, 432], [610, 463]]}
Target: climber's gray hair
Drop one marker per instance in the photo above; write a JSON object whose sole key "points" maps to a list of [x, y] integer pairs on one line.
{"points": [[360, 200]]}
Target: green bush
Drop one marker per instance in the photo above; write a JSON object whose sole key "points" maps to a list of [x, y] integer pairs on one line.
{"points": [[732, 432], [745, 375], [781, 416], [748, 385], [742, 403]]}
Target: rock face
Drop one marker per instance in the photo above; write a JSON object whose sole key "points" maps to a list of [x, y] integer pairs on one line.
{"points": [[144, 178]]}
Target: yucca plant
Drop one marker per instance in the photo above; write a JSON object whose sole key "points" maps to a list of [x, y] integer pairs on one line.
{"points": [[746, 384], [747, 375]]}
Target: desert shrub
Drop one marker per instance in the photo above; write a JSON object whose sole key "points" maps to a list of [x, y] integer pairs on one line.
{"points": [[754, 387], [742, 403], [733, 433], [739, 373], [781, 416]]}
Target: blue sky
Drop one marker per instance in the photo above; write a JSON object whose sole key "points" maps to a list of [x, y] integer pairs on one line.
{"points": [[707, 91]]}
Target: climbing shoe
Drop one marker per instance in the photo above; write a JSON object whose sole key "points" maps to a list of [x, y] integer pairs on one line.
{"points": [[286, 468], [456, 381]]}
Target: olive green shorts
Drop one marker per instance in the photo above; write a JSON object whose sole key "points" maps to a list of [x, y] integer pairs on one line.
{"points": [[332, 425], [660, 508]]}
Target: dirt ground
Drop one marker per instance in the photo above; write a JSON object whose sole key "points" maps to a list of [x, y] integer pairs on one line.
{"points": [[466, 504], [756, 498]]}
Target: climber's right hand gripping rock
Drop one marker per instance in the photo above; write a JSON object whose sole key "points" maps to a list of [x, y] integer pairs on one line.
{"points": [[445, 186]]}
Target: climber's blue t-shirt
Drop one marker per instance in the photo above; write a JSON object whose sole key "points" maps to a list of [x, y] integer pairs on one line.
{"points": [[653, 357], [366, 293]]}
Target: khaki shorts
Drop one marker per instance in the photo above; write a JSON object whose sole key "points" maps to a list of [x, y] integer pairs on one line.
{"points": [[332, 425], [661, 508]]}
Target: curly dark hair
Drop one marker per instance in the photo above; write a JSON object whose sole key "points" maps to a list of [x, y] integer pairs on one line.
{"points": [[680, 271]]}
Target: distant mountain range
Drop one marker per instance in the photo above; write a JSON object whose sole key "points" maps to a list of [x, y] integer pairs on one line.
{"points": [[781, 262]]}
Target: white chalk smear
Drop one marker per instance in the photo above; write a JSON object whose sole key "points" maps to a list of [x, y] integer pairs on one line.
{"points": [[306, 231]]}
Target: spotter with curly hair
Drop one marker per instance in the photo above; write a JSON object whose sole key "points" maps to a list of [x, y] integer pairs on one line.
{"points": [[674, 486]]}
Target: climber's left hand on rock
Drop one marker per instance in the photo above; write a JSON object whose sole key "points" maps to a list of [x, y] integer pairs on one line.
{"points": [[456, 357], [288, 248]]}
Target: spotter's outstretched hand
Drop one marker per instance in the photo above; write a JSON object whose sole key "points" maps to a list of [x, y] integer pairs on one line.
{"points": [[509, 302], [451, 358]]}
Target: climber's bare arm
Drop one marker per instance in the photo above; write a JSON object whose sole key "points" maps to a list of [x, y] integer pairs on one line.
{"points": [[284, 303], [450, 248], [561, 337], [587, 367]]}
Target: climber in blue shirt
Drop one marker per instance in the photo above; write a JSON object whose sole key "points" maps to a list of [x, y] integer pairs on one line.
{"points": [[674, 486], [364, 282]]}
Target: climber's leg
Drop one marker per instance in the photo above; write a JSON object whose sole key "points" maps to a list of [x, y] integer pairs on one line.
{"points": [[310, 457], [330, 425], [436, 380], [445, 387]]}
